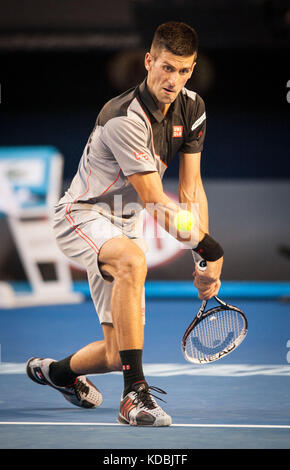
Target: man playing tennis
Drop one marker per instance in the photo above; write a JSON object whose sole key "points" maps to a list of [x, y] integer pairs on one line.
{"points": [[98, 221]]}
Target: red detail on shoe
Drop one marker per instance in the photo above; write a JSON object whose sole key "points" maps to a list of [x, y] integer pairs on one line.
{"points": [[124, 409]]}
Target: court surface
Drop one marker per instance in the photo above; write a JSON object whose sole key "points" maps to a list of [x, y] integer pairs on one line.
{"points": [[240, 402]]}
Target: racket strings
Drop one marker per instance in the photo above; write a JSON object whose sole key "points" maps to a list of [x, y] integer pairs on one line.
{"points": [[213, 335]]}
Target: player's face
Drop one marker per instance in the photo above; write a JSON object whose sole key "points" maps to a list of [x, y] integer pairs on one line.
{"points": [[167, 75]]}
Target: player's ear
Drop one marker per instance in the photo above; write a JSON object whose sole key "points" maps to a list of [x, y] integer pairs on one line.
{"points": [[193, 66], [148, 61]]}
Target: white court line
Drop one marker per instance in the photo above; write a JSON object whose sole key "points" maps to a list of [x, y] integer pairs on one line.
{"points": [[172, 369], [49, 423]]}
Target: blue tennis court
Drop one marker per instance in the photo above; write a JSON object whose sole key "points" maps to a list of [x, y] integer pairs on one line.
{"points": [[240, 402]]}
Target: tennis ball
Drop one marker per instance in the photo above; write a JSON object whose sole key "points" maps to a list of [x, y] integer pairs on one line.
{"points": [[184, 221]]}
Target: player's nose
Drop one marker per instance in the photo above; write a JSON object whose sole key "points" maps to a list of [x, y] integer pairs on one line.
{"points": [[173, 80]]}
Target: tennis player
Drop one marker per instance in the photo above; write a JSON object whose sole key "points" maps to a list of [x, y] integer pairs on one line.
{"points": [[98, 222]]}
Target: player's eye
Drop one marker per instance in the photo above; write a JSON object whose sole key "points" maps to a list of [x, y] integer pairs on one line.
{"points": [[184, 71], [168, 68]]}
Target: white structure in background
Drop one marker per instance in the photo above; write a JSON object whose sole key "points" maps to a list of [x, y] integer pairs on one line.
{"points": [[30, 185]]}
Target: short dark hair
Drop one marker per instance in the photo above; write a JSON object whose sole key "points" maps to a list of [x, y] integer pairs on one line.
{"points": [[176, 37]]}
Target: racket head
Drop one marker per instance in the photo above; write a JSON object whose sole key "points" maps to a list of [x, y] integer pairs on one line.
{"points": [[218, 332]]}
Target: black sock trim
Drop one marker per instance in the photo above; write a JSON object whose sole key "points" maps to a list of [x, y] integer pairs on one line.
{"points": [[61, 374], [132, 368]]}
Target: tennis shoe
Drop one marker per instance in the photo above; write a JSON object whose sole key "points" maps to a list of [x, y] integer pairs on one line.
{"points": [[139, 408], [81, 393]]}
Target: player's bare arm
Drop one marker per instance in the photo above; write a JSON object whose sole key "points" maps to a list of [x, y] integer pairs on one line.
{"points": [[150, 190], [191, 191]]}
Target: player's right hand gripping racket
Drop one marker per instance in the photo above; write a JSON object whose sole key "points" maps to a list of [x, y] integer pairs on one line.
{"points": [[214, 333]]}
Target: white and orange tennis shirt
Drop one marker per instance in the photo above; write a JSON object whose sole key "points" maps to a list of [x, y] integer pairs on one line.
{"points": [[131, 135]]}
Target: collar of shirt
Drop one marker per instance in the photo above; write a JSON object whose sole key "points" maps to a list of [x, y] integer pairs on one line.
{"points": [[151, 104]]}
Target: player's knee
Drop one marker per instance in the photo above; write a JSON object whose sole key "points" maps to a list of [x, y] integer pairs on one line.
{"points": [[133, 266]]}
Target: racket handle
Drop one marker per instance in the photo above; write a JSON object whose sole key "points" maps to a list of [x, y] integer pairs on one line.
{"points": [[202, 265]]}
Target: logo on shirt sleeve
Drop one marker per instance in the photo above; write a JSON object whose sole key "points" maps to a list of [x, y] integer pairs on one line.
{"points": [[198, 121], [139, 155], [177, 131]]}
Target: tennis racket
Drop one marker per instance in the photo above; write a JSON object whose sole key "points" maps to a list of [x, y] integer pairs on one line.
{"points": [[214, 333]]}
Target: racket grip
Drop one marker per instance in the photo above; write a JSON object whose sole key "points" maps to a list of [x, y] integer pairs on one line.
{"points": [[201, 265]]}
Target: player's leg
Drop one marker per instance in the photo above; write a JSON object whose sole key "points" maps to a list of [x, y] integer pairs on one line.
{"points": [[125, 262], [122, 260], [124, 310], [98, 357], [102, 356], [80, 236], [113, 256]]}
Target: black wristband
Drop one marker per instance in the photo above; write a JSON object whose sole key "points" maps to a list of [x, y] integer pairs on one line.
{"points": [[209, 249]]}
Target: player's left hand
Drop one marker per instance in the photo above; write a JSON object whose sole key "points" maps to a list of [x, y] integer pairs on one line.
{"points": [[208, 282], [209, 291]]}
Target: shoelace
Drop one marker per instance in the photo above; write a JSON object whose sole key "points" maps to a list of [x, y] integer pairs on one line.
{"points": [[145, 396]]}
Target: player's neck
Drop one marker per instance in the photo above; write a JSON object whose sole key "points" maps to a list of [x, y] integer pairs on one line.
{"points": [[164, 108]]}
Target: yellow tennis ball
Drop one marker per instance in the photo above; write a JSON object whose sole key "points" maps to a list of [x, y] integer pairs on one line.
{"points": [[184, 221]]}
